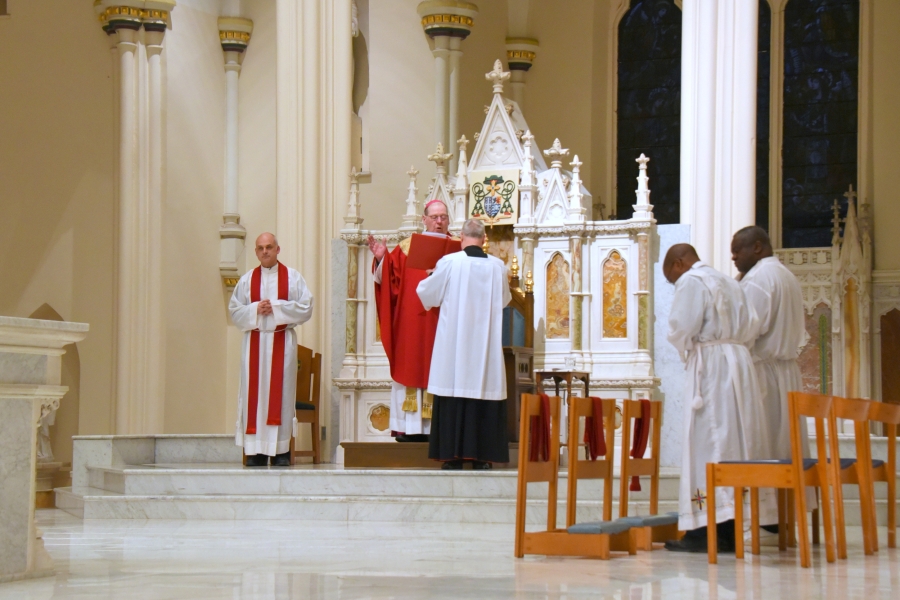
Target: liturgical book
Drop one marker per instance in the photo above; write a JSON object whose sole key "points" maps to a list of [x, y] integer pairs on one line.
{"points": [[426, 250]]}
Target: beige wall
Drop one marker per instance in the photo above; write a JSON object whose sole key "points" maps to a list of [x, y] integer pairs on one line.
{"points": [[886, 132], [57, 182]]}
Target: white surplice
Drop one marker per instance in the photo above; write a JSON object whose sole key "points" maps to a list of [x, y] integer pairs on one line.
{"points": [[467, 361], [710, 324], [297, 309], [775, 297]]}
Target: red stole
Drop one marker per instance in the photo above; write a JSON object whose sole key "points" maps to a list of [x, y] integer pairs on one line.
{"points": [[276, 383], [540, 432], [639, 443], [594, 436]]}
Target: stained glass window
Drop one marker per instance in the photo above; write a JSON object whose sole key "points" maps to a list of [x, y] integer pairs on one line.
{"points": [[821, 63], [649, 106], [763, 70]]}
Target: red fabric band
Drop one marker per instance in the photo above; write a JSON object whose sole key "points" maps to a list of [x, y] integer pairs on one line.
{"points": [[594, 436], [276, 382], [540, 433], [639, 443]]}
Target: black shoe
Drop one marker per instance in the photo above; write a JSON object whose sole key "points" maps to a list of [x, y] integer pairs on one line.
{"points": [[770, 528], [257, 460], [696, 545], [282, 460], [482, 465], [452, 465]]}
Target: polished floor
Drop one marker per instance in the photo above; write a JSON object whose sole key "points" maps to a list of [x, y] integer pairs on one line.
{"points": [[243, 560]]}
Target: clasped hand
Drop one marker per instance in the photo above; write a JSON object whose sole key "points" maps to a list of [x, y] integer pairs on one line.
{"points": [[264, 308]]}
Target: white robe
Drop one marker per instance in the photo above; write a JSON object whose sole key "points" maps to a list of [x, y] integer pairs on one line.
{"points": [[775, 297], [709, 325], [467, 361], [297, 309]]}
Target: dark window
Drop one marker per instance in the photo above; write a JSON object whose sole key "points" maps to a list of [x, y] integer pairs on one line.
{"points": [[764, 69], [649, 106], [821, 62]]}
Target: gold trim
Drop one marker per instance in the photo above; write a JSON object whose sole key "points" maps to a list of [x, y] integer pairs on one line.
{"points": [[437, 20], [520, 54], [239, 36], [231, 281]]}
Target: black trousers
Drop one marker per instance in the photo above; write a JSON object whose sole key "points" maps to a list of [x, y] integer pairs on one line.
{"points": [[468, 429]]}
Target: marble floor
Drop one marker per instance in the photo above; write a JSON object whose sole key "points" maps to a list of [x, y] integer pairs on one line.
{"points": [[136, 560]]}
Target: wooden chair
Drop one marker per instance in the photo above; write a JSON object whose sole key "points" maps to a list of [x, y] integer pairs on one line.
{"points": [[593, 540], [582, 409], [657, 528], [854, 471], [309, 381], [794, 475], [886, 471]]}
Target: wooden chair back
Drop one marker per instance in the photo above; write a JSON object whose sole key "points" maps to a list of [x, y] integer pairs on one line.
{"points": [[889, 416], [639, 466], [536, 471], [860, 472], [309, 386], [579, 410]]}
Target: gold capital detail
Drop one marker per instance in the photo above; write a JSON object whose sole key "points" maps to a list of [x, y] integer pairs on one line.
{"points": [[240, 36], [520, 54], [432, 20]]}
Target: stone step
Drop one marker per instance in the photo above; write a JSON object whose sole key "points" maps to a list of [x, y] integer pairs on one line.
{"points": [[91, 503], [229, 479]]}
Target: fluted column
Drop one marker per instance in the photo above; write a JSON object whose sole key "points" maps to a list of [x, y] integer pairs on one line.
{"points": [[234, 35], [447, 23], [718, 123], [138, 28]]}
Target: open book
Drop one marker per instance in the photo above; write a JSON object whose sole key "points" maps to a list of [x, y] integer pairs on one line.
{"points": [[426, 250]]}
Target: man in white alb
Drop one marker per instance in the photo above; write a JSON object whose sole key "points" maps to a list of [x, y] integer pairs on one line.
{"points": [[268, 302], [709, 324], [467, 375]]}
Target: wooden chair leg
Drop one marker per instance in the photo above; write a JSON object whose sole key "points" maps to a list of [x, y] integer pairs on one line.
{"points": [[892, 510], [839, 523], [815, 526], [827, 515], [803, 532], [315, 441], [712, 538], [792, 520], [738, 522], [291, 450], [783, 520], [754, 520]]}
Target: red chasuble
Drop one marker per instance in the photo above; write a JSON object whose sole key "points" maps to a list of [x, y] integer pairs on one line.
{"points": [[276, 383], [407, 329]]}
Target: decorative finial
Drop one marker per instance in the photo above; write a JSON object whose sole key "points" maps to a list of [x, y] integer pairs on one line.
{"points": [[514, 268], [529, 283], [352, 217], [850, 195], [497, 76], [835, 222], [642, 209], [439, 158], [555, 154], [411, 200]]}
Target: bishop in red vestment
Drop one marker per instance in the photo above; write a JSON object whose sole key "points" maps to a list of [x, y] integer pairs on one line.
{"points": [[407, 329]]}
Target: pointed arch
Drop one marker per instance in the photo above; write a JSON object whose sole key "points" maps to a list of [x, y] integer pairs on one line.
{"points": [[615, 296], [557, 297]]}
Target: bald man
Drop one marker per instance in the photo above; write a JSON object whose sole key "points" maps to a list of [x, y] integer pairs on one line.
{"points": [[267, 304], [709, 325]]}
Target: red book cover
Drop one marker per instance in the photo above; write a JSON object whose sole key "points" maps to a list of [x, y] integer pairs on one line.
{"points": [[426, 250]]}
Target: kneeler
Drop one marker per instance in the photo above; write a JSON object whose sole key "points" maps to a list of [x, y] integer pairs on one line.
{"points": [[645, 419], [539, 463]]}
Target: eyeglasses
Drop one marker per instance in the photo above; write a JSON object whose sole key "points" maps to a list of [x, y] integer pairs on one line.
{"points": [[438, 217]]}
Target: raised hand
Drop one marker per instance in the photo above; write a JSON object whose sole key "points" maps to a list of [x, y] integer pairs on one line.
{"points": [[378, 247]]}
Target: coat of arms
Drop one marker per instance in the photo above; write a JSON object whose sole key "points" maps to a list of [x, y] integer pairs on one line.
{"points": [[495, 197]]}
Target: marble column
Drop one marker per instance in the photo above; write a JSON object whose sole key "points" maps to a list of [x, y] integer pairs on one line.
{"points": [[313, 112], [234, 35], [30, 373], [718, 123], [447, 23], [139, 27]]}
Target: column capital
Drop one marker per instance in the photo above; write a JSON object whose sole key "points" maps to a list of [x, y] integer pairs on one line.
{"points": [[520, 53], [234, 33], [451, 18], [133, 15]]}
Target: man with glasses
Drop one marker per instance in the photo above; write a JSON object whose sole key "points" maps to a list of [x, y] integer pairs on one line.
{"points": [[407, 329]]}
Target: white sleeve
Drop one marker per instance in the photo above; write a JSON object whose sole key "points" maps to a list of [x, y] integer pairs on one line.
{"points": [[243, 312], [431, 290], [686, 315], [294, 312], [504, 283], [759, 302], [377, 272]]}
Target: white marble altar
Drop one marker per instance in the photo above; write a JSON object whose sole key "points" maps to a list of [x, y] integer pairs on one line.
{"points": [[30, 371]]}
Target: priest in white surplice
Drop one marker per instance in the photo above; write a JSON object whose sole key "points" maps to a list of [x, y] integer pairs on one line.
{"points": [[268, 302], [774, 295], [467, 374], [709, 325]]}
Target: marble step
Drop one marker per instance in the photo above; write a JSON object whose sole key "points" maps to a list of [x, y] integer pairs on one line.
{"points": [[229, 479]]}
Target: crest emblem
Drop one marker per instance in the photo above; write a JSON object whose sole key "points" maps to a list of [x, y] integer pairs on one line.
{"points": [[495, 198]]}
